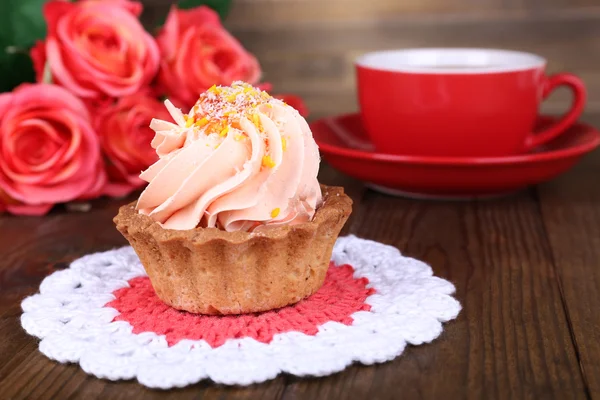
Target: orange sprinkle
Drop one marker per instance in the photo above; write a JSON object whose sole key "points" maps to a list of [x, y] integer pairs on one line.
{"points": [[268, 162], [283, 143], [224, 131], [189, 121], [275, 212]]}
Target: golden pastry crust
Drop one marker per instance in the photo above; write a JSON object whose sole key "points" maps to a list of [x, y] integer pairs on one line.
{"points": [[211, 271]]}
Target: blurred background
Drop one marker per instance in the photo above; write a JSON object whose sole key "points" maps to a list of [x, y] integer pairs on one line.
{"points": [[307, 47]]}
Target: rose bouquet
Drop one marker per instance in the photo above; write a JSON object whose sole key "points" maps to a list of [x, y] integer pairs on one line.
{"points": [[81, 130]]}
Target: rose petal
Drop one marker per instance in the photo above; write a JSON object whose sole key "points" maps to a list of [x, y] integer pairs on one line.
{"points": [[169, 35], [38, 56], [86, 66], [97, 183], [29, 210], [51, 96], [266, 86], [63, 74], [38, 147], [55, 10], [133, 7], [120, 189], [197, 53], [125, 136], [201, 15]]}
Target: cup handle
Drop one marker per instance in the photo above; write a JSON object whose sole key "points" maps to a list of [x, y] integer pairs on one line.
{"points": [[579, 98]]}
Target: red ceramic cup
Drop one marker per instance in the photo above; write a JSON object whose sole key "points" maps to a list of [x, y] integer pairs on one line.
{"points": [[459, 102]]}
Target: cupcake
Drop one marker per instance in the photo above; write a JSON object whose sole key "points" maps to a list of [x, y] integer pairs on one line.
{"points": [[233, 219]]}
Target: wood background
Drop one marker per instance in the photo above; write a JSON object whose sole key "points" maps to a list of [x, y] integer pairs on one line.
{"points": [[307, 47]]}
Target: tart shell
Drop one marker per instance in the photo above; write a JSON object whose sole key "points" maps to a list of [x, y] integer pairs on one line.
{"points": [[211, 271]]}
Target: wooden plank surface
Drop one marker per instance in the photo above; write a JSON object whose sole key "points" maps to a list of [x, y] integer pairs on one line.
{"points": [[301, 13], [514, 334], [570, 206], [512, 339]]}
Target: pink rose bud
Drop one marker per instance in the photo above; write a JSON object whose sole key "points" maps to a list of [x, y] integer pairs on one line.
{"points": [[197, 52]]}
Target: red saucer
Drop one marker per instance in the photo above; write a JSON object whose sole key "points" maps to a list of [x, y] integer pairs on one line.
{"points": [[345, 146]]}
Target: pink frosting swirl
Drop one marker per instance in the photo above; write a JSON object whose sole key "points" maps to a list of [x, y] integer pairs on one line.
{"points": [[240, 160]]}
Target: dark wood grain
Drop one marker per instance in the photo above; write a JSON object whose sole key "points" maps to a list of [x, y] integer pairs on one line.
{"points": [[294, 13], [32, 248], [512, 339], [570, 206]]}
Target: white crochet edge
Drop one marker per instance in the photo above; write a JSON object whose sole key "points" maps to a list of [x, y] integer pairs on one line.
{"points": [[69, 316]]}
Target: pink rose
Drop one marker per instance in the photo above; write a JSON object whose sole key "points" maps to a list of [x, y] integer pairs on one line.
{"points": [[50, 153], [6, 200], [96, 48], [125, 136], [197, 52]]}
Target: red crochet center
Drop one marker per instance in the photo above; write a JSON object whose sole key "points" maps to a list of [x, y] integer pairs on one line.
{"points": [[340, 296]]}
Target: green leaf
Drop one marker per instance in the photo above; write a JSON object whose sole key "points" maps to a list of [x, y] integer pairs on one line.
{"points": [[21, 24], [15, 69], [220, 6]]}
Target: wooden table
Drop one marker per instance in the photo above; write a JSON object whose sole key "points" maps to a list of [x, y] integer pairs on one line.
{"points": [[526, 268]]}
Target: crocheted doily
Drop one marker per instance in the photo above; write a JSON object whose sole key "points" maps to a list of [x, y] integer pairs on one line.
{"points": [[102, 313]]}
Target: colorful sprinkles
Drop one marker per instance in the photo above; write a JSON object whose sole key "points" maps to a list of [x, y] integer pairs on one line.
{"points": [[223, 106], [220, 108]]}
